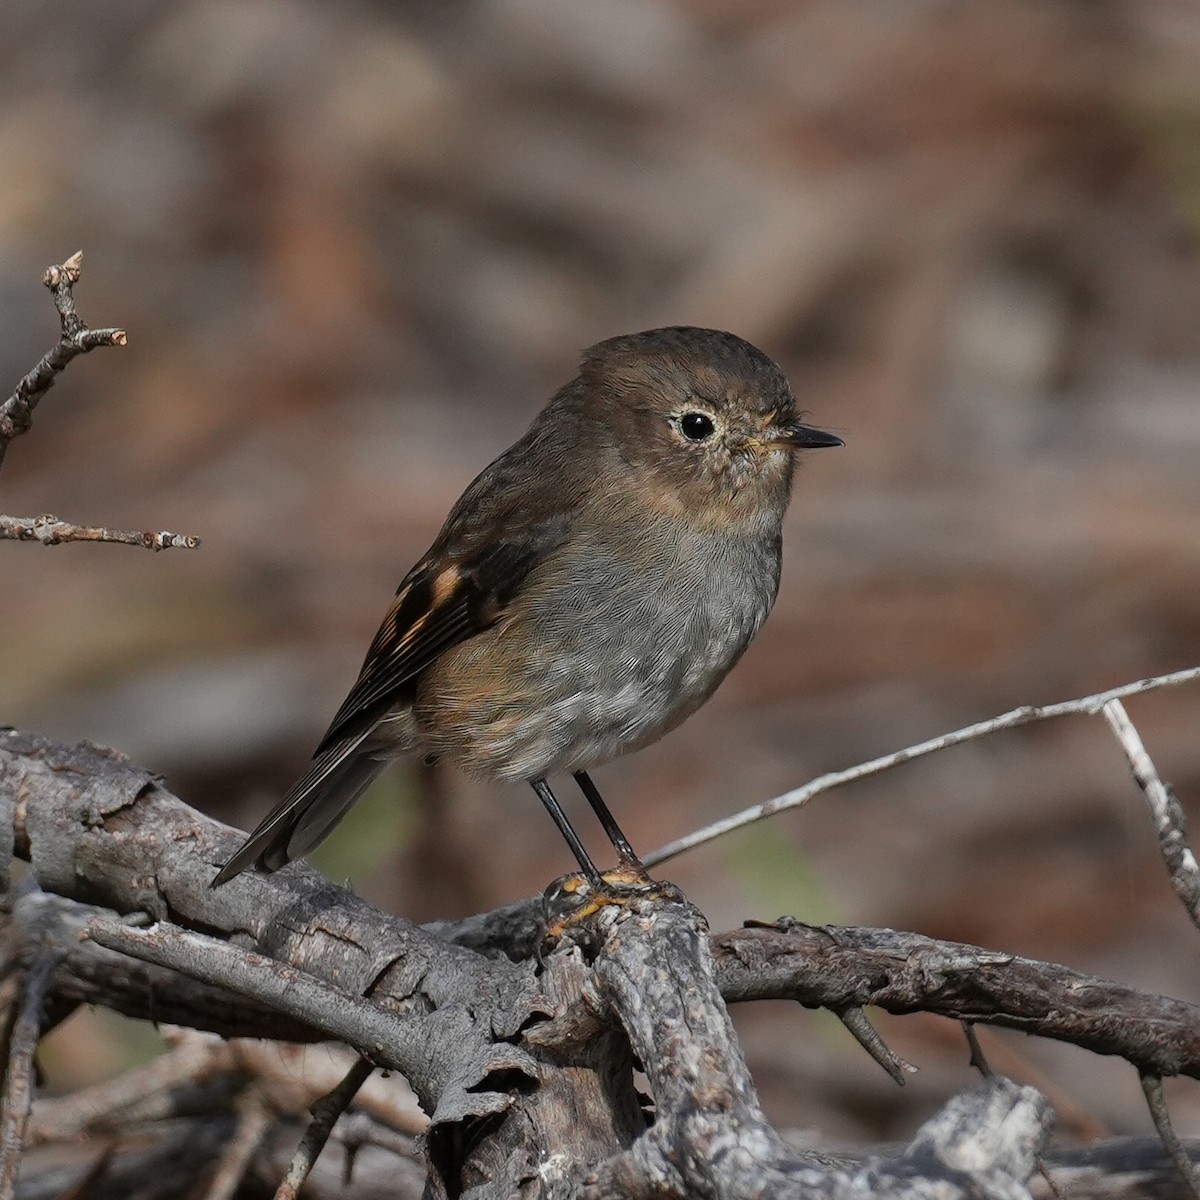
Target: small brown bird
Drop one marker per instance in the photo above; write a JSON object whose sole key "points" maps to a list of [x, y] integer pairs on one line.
{"points": [[587, 593]]}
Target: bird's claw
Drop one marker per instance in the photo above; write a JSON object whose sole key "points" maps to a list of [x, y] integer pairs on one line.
{"points": [[572, 899]]}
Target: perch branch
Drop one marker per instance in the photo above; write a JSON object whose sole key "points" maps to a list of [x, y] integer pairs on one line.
{"points": [[1024, 715], [501, 1101]]}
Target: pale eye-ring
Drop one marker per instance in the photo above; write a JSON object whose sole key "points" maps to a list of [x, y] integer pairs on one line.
{"points": [[696, 426]]}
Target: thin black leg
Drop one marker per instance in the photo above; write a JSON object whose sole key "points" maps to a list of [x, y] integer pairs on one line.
{"points": [[619, 840], [547, 797]]}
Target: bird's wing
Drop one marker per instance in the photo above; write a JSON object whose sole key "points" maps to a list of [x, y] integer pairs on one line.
{"points": [[442, 601]]}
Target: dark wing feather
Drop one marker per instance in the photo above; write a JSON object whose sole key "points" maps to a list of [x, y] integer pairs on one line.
{"points": [[439, 604], [442, 601], [433, 611]]}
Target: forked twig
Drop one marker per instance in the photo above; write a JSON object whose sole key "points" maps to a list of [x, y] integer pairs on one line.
{"points": [[16, 417], [16, 413]]}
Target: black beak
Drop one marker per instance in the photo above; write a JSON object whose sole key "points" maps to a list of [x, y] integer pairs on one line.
{"points": [[805, 437]]}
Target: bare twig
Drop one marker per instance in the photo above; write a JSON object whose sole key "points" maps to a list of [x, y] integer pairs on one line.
{"points": [[254, 1119], [1155, 1100], [978, 1059], [16, 413], [1024, 715], [1165, 808], [50, 531], [325, 1114], [18, 1082], [16, 417]]}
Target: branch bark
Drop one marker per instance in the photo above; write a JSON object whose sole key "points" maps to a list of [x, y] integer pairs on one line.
{"points": [[526, 1067]]}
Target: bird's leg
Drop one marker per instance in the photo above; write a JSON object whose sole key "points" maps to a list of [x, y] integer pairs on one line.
{"points": [[548, 798], [611, 828]]}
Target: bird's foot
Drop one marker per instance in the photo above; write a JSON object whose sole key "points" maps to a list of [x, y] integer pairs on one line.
{"points": [[569, 901]]}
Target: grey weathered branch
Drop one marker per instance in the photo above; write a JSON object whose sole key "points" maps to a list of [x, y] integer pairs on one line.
{"points": [[21, 1045], [837, 968], [902, 973], [842, 968], [527, 1072], [87, 973]]}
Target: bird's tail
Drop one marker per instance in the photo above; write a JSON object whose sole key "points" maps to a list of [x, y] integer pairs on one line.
{"points": [[317, 802]]}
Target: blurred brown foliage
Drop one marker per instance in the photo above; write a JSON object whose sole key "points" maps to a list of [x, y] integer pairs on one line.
{"points": [[356, 246]]}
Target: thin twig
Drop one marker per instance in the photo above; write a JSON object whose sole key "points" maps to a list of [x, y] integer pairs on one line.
{"points": [[1024, 715], [978, 1059], [50, 531], [18, 1082], [254, 1119], [325, 1114], [1165, 808], [1155, 1100], [16, 413]]}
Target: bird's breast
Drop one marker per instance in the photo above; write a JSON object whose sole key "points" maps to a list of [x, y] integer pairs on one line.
{"points": [[609, 645]]}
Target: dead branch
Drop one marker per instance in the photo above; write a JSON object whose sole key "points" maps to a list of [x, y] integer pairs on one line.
{"points": [[517, 1094], [326, 1112], [835, 967]]}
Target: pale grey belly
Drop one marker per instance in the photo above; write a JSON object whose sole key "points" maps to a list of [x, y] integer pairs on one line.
{"points": [[594, 670]]}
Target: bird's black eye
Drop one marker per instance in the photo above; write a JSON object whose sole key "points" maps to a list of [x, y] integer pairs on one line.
{"points": [[696, 426]]}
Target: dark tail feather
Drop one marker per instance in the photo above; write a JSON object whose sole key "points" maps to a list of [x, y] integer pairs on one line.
{"points": [[318, 801]]}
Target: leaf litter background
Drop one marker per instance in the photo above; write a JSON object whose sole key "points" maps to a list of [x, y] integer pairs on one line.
{"points": [[357, 246]]}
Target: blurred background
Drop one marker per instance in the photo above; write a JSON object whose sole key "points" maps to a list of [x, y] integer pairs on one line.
{"points": [[356, 247]]}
